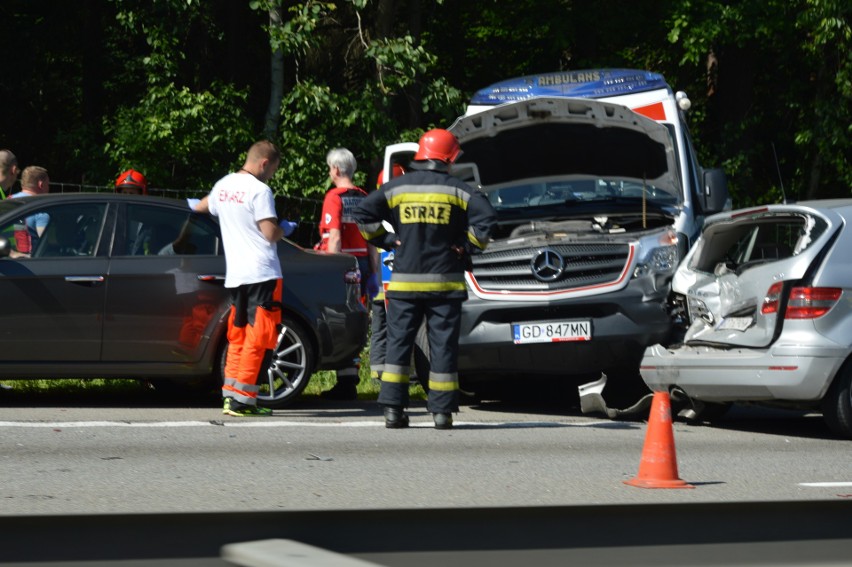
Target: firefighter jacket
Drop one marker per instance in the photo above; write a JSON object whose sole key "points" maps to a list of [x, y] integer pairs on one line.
{"points": [[430, 211]]}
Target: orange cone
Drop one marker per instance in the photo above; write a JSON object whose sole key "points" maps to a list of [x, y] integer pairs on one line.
{"points": [[658, 468]]}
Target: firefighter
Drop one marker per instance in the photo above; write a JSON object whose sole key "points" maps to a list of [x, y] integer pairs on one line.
{"points": [[131, 182], [339, 233], [437, 221]]}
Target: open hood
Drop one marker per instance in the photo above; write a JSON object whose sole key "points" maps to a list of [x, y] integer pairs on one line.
{"points": [[552, 139]]}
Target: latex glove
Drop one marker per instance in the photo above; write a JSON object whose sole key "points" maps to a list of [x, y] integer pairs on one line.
{"points": [[193, 203], [372, 286], [288, 226]]}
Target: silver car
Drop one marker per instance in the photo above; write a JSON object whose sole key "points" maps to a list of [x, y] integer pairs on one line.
{"points": [[766, 296]]}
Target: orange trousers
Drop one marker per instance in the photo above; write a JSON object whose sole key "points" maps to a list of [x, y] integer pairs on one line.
{"points": [[252, 330]]}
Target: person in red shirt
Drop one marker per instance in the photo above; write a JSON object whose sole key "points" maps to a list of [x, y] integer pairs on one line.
{"points": [[339, 233]]}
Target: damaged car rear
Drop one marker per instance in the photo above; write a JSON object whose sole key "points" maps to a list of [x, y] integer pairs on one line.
{"points": [[767, 292]]}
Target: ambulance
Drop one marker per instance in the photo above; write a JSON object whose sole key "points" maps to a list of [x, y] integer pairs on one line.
{"points": [[599, 194]]}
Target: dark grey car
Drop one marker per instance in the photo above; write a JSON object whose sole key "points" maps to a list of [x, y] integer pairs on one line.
{"points": [[121, 286]]}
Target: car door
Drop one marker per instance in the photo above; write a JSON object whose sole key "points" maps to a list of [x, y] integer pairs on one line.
{"points": [[53, 295], [165, 294], [737, 276]]}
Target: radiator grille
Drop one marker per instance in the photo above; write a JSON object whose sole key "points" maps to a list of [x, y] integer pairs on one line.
{"points": [[583, 265]]}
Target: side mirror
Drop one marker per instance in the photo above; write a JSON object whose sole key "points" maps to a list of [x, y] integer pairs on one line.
{"points": [[714, 196], [5, 247]]}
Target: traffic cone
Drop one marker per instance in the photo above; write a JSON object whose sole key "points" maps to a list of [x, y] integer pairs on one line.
{"points": [[658, 468]]}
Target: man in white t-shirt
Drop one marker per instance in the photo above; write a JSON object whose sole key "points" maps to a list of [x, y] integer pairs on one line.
{"points": [[250, 233]]}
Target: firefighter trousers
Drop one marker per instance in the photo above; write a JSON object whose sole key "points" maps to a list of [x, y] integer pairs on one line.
{"points": [[378, 338], [252, 330], [443, 322]]}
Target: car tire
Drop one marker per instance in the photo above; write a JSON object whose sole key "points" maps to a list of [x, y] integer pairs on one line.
{"points": [[837, 403], [286, 369]]}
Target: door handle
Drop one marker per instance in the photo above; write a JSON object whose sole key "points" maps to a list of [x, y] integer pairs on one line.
{"points": [[92, 280]]}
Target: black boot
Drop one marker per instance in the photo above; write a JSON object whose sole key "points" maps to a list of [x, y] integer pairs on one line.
{"points": [[443, 420], [395, 417], [346, 389]]}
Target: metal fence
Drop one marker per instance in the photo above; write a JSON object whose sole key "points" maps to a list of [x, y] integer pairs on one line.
{"points": [[302, 209]]}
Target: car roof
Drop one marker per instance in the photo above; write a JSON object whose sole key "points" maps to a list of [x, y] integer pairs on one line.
{"points": [[842, 207]]}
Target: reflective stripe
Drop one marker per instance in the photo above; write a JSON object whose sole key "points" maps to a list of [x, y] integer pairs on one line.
{"points": [[396, 369], [395, 378], [443, 376], [427, 193], [372, 230], [427, 278], [443, 386], [229, 381], [426, 286], [444, 381], [471, 236], [412, 197], [242, 398], [351, 371]]}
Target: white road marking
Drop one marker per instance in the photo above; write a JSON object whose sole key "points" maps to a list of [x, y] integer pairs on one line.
{"points": [[282, 423], [825, 484]]}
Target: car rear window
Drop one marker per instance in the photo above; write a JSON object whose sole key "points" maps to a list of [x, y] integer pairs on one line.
{"points": [[741, 244]]}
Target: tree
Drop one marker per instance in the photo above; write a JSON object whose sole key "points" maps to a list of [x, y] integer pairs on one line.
{"points": [[185, 129], [781, 78]]}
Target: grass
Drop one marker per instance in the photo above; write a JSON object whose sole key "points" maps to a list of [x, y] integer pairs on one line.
{"points": [[368, 388]]}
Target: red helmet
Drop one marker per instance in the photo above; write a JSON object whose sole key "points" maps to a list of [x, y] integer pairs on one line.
{"points": [[132, 178], [438, 144], [397, 171]]}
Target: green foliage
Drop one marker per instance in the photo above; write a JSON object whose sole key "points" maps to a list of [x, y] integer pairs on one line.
{"points": [[179, 88], [782, 78], [172, 133], [299, 34]]}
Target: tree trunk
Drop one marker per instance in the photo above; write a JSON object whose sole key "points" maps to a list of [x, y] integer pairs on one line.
{"points": [[276, 82], [415, 98], [384, 18]]}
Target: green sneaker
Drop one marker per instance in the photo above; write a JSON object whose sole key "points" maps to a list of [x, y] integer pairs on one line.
{"points": [[249, 411], [226, 406]]}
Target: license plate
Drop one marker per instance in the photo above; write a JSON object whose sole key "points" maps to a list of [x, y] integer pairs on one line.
{"points": [[552, 332], [735, 323]]}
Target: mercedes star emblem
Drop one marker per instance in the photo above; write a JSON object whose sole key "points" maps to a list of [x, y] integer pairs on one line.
{"points": [[547, 265]]}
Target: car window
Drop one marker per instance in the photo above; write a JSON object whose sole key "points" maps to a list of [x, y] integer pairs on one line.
{"points": [[743, 244], [59, 231], [159, 231], [559, 192]]}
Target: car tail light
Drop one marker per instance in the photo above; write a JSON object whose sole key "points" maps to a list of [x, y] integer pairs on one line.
{"points": [[811, 302], [772, 299], [804, 302], [352, 276]]}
